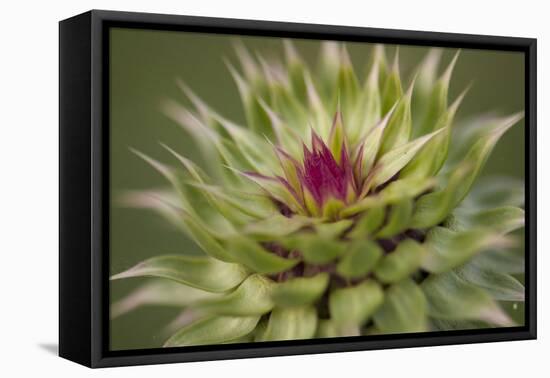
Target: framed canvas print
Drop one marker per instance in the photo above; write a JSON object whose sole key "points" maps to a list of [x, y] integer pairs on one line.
{"points": [[233, 188]]}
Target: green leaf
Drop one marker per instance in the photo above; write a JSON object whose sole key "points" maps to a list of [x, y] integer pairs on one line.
{"points": [[333, 229], [354, 305], [204, 239], [397, 191], [455, 324], [361, 257], [276, 226], [451, 297], [331, 209], [491, 192], [256, 117], [300, 291], [190, 221], [437, 101], [368, 223], [433, 155], [296, 71], [400, 263], [433, 208], [348, 85], [197, 176], [501, 220], [206, 138], [368, 109], [337, 138], [501, 286], [252, 297], [393, 90], [426, 77], [329, 65], [315, 248], [291, 323], [327, 328], [213, 330], [398, 130], [200, 272], [447, 249], [404, 309], [255, 257], [393, 161], [158, 293], [371, 144], [398, 220], [501, 260]]}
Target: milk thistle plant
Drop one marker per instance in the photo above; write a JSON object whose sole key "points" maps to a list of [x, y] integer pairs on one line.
{"points": [[344, 207]]}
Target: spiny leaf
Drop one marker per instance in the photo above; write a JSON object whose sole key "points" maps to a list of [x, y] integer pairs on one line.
{"points": [[256, 117], [437, 103], [204, 239], [314, 248], [252, 297], [404, 309], [451, 297], [367, 111], [354, 305], [496, 191], [393, 161], [448, 249], [291, 323], [393, 90], [253, 256], [329, 65], [328, 328], [361, 257], [426, 76], [455, 324], [501, 286], [337, 137], [158, 293], [224, 203], [398, 220], [206, 138], [433, 155], [348, 85], [433, 208], [398, 130], [368, 223], [300, 291], [200, 272], [501, 260], [276, 226], [213, 330], [333, 229], [296, 71], [401, 263], [254, 205], [501, 220], [163, 202], [371, 144], [395, 192]]}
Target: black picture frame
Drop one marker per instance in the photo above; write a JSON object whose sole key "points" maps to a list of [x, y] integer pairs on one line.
{"points": [[84, 183]]}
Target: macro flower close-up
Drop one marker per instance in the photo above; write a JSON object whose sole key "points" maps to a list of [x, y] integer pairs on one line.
{"points": [[348, 202]]}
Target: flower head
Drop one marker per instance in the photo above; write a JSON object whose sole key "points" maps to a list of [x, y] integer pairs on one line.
{"points": [[362, 217]]}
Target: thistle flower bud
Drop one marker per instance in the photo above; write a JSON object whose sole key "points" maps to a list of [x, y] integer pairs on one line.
{"points": [[335, 211]]}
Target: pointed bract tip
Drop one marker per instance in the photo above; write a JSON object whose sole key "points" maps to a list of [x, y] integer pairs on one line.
{"points": [[291, 53]]}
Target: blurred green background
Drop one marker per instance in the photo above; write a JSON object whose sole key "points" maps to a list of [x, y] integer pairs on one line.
{"points": [[143, 67]]}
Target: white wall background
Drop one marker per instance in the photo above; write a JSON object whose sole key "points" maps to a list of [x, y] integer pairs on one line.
{"points": [[29, 175]]}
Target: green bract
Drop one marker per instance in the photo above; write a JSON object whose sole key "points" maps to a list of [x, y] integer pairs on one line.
{"points": [[335, 211]]}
